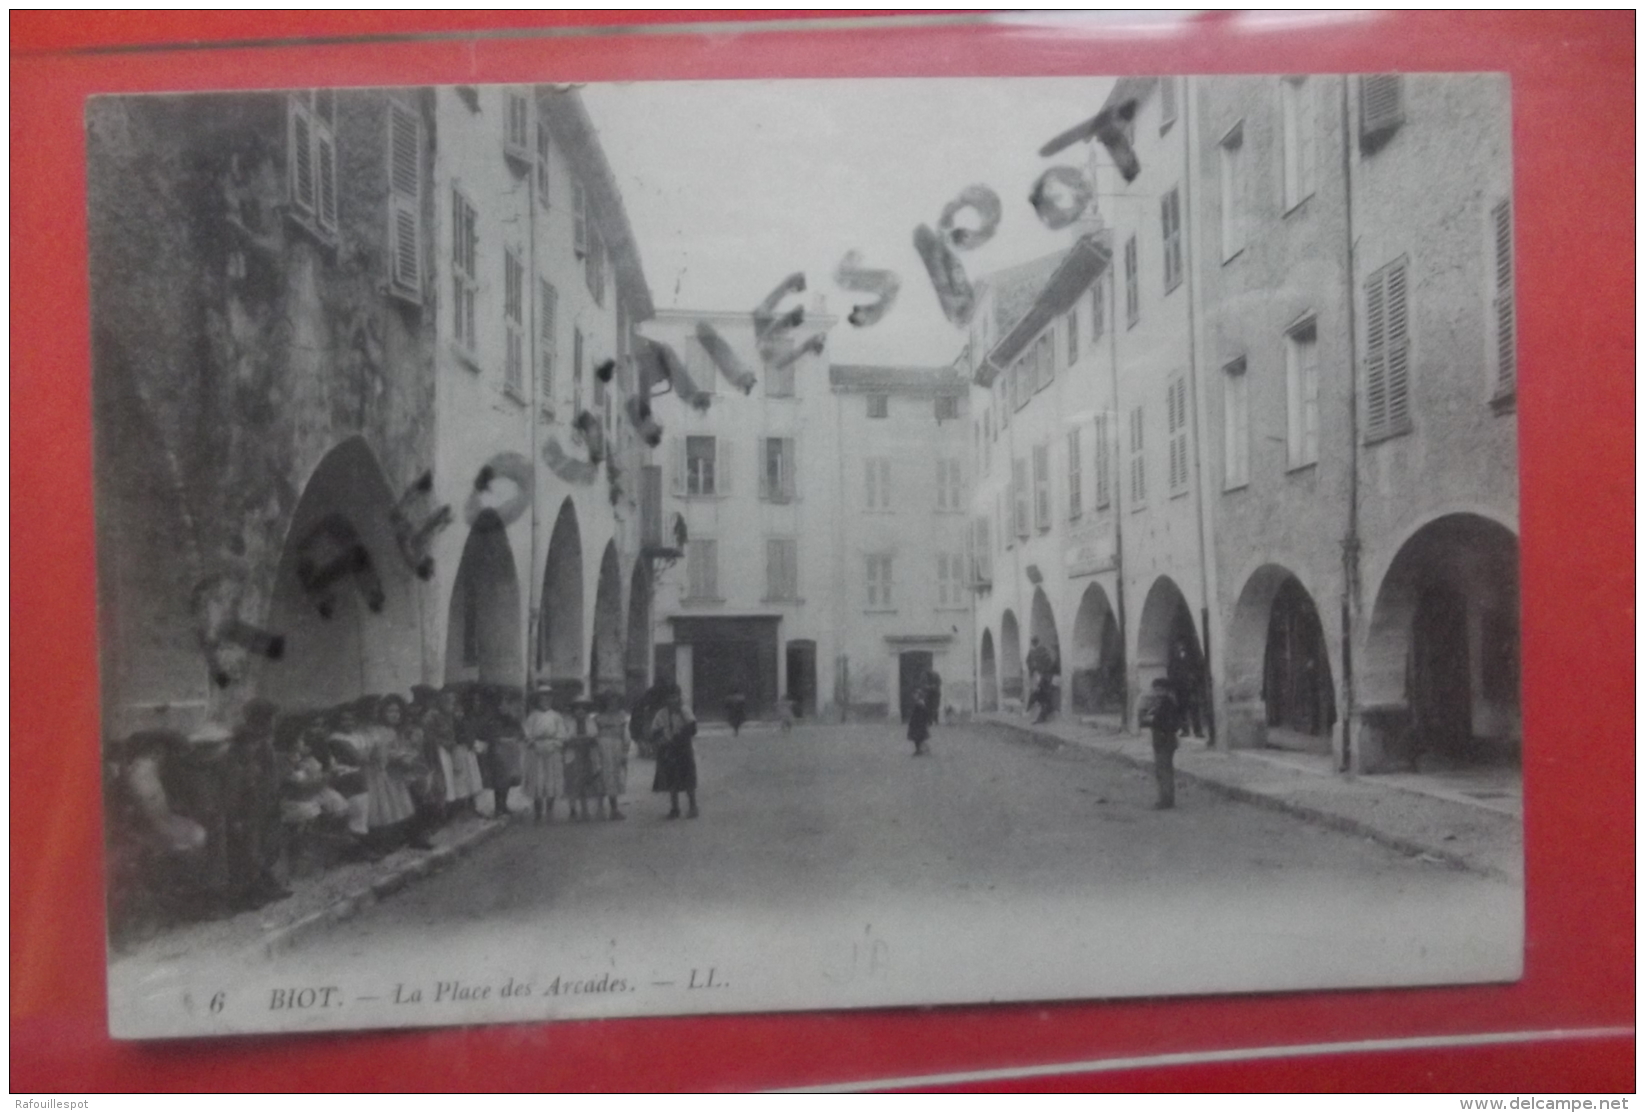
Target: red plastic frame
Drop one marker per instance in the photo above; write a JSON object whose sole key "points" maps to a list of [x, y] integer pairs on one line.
{"points": [[1573, 88]]}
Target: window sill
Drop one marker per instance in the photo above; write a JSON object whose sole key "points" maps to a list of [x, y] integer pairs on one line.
{"points": [[1233, 488], [310, 227], [1180, 492], [1391, 434], [780, 500], [1175, 286], [469, 361], [1504, 402], [691, 497], [1297, 469], [956, 607], [782, 601], [1230, 256], [701, 601], [1297, 204], [515, 396]]}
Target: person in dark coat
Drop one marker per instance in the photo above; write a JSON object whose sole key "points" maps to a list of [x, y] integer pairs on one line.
{"points": [[672, 730], [1163, 718], [1187, 684], [1042, 667], [736, 711], [919, 722]]}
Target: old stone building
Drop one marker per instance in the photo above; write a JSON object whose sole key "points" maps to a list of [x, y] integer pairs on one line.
{"points": [[305, 347]]}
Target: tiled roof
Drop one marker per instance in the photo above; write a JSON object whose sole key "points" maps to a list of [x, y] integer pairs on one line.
{"points": [[1015, 288]]}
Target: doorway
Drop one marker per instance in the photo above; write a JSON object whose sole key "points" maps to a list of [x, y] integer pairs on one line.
{"points": [[913, 665], [801, 675]]}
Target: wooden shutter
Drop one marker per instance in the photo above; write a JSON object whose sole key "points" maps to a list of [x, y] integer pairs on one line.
{"points": [[579, 217], [1381, 107], [546, 346], [300, 154], [405, 204], [1502, 229], [1376, 356], [791, 469], [1399, 351], [325, 167]]}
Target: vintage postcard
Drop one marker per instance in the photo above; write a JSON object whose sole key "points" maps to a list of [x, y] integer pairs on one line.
{"points": [[659, 548]]}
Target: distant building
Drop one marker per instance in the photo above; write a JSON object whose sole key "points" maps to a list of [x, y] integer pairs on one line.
{"points": [[303, 303]]}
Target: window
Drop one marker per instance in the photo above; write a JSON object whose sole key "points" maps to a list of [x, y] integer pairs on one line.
{"points": [[546, 345], [311, 163], [1299, 124], [1073, 341], [579, 217], [544, 144], [777, 469], [878, 405], [1042, 487], [877, 493], [576, 373], [514, 323], [594, 266], [879, 582], [1102, 452], [950, 579], [1133, 300], [1167, 103], [1139, 474], [1099, 307], [1176, 424], [517, 127], [1302, 396], [700, 460], [1045, 359], [702, 561], [950, 485], [1387, 354], [1381, 109], [947, 407], [1075, 495], [982, 564], [782, 579], [1019, 496], [1236, 426], [1231, 182], [1170, 215], [465, 280], [405, 203], [779, 381], [1003, 400], [1502, 305]]}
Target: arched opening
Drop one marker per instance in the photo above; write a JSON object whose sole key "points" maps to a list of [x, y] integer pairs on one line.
{"points": [[1277, 675], [1042, 629], [1010, 660], [989, 696], [637, 647], [1168, 646], [1441, 662], [560, 625], [372, 640], [483, 639], [1096, 669], [607, 656]]}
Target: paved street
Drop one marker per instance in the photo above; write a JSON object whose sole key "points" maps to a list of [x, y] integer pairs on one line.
{"points": [[830, 866]]}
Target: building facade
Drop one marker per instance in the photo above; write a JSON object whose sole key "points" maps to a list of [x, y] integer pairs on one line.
{"points": [[315, 325], [1304, 365]]}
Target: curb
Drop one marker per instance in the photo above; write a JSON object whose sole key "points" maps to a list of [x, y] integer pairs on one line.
{"points": [[289, 936], [1412, 847]]}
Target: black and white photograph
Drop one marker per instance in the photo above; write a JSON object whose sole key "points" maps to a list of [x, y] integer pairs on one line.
{"points": [[660, 548]]}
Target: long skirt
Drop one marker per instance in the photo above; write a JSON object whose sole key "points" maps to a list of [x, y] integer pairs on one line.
{"points": [[614, 764], [460, 770], [544, 771], [388, 801], [676, 768]]}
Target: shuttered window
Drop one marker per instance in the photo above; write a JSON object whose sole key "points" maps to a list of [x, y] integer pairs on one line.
{"points": [[544, 144], [1302, 396], [1139, 473], [547, 346], [1075, 494], [777, 469], [465, 279], [1176, 425], [1381, 109], [1099, 307], [1170, 215], [877, 490], [1102, 453], [513, 323], [579, 217], [878, 579], [982, 552], [781, 568], [1236, 426], [1045, 358], [1133, 301], [405, 202], [1387, 353], [1502, 305], [311, 163], [702, 560], [1042, 487], [701, 466], [1231, 186], [1019, 496], [517, 127], [1299, 123]]}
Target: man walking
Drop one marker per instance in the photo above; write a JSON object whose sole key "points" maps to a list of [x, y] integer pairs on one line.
{"points": [[1161, 715]]}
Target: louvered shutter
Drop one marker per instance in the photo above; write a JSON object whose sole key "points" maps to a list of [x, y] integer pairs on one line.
{"points": [[545, 340], [722, 465], [1502, 228], [762, 467], [1381, 105], [791, 467], [1376, 356], [405, 201], [325, 165], [1399, 349], [300, 158]]}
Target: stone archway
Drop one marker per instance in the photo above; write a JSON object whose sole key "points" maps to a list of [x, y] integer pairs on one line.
{"points": [[1439, 680], [560, 623], [989, 696], [1011, 660], [1096, 666], [1165, 630], [1277, 668], [371, 643], [483, 640], [606, 655]]}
